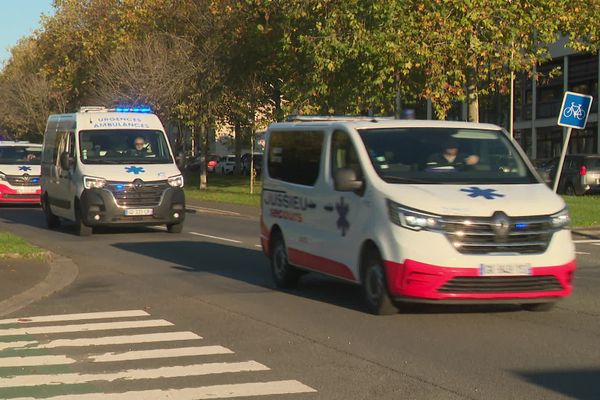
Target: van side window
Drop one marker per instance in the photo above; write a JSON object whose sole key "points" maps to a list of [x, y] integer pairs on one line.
{"points": [[295, 157], [72, 145], [343, 154]]}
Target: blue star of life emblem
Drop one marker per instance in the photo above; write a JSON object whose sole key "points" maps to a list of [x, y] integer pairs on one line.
{"points": [[489, 194], [134, 170], [24, 168]]}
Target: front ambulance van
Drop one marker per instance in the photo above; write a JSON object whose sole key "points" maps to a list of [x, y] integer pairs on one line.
{"points": [[417, 211], [110, 167], [20, 172]]}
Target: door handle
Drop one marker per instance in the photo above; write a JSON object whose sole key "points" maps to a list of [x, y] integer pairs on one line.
{"points": [[328, 207]]}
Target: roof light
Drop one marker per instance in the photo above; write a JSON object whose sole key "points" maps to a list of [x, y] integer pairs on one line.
{"points": [[134, 109]]}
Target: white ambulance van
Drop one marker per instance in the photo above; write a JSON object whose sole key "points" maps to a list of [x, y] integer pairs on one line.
{"points": [[20, 172], [414, 211], [110, 167]]}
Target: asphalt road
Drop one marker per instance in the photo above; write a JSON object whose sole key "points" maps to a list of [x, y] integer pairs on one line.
{"points": [[213, 280]]}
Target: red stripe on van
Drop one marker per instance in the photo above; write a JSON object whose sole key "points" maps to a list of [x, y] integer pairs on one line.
{"points": [[320, 264]]}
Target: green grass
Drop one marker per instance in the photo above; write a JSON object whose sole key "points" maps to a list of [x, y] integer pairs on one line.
{"points": [[584, 210], [12, 246], [224, 189]]}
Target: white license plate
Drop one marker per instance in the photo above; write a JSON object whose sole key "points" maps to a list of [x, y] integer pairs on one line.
{"points": [[26, 189], [504, 269], [138, 211]]}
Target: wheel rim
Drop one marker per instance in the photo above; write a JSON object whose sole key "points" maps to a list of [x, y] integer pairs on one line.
{"points": [[375, 284], [279, 261]]}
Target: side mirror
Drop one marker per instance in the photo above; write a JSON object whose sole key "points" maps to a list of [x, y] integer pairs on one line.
{"points": [[65, 161], [345, 180]]}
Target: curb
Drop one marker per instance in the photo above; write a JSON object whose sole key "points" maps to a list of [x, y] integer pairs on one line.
{"points": [[62, 273]]}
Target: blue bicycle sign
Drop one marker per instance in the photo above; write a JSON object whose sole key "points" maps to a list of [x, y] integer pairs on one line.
{"points": [[575, 110]]}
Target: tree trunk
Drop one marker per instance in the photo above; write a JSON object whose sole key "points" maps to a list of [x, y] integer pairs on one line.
{"points": [[472, 97], [203, 155], [238, 148]]}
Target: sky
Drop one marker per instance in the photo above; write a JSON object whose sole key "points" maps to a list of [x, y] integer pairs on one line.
{"points": [[19, 18]]}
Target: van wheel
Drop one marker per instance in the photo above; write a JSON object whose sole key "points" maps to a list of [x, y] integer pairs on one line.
{"points": [[175, 228], [374, 286], [285, 275], [570, 190], [538, 307], [82, 229], [52, 221]]}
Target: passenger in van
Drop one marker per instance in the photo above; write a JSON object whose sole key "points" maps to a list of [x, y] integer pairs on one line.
{"points": [[141, 148], [451, 157]]}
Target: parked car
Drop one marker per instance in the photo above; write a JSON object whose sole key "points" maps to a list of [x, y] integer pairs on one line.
{"points": [[226, 165], [211, 163], [580, 174], [245, 161]]}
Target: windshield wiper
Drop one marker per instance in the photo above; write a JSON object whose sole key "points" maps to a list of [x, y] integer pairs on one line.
{"points": [[397, 179]]}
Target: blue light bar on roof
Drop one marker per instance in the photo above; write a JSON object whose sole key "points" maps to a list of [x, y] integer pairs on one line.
{"points": [[134, 109]]}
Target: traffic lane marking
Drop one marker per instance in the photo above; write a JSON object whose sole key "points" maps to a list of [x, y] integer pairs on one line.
{"points": [[35, 361], [587, 241], [132, 374], [76, 317], [103, 326], [198, 393], [216, 237], [160, 353], [124, 339]]}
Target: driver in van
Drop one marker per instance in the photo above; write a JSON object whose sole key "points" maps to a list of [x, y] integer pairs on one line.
{"points": [[451, 157], [141, 148]]}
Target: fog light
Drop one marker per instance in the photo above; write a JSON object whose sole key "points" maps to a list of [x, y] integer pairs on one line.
{"points": [[96, 217], [175, 215]]}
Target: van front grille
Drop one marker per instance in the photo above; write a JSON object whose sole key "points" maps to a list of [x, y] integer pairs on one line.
{"points": [[494, 284], [478, 235], [23, 180], [140, 195]]}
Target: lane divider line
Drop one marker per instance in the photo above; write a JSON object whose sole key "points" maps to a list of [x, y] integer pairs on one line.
{"points": [[215, 237]]}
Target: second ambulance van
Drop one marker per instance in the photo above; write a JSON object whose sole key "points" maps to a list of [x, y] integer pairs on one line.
{"points": [[110, 167], [418, 211]]}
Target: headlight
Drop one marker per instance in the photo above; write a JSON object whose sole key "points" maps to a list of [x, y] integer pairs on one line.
{"points": [[89, 182], [413, 219], [176, 181], [2, 177], [561, 219]]}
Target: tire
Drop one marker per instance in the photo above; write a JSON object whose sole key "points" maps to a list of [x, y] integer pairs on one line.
{"points": [[52, 221], [538, 307], [374, 286], [570, 190], [81, 228], [175, 228], [285, 275]]}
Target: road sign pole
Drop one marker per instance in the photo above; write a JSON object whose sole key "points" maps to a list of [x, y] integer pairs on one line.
{"points": [[562, 160]]}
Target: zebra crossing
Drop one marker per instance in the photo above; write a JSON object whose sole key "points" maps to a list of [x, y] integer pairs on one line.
{"points": [[124, 355]]}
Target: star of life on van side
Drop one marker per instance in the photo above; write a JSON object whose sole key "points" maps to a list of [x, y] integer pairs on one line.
{"points": [[110, 167], [385, 209]]}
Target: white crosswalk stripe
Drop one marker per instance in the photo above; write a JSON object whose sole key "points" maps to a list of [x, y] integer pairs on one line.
{"points": [[68, 361]]}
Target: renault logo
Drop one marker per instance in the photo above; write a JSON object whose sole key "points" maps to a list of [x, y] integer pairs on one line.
{"points": [[500, 225], [25, 178], [138, 184]]}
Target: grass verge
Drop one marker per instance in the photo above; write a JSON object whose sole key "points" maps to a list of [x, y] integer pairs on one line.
{"points": [[584, 210], [12, 246], [224, 189]]}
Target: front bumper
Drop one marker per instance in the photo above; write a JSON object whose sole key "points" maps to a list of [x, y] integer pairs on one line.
{"points": [[99, 208], [15, 196], [415, 281]]}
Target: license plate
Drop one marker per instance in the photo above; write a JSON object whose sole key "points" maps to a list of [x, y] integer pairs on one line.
{"points": [[26, 190], [504, 269], [138, 211]]}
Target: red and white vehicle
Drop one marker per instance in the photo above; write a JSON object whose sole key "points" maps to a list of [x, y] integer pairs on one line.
{"points": [[413, 211], [20, 172]]}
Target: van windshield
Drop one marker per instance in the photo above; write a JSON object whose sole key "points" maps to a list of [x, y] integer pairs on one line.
{"points": [[445, 156], [20, 155], [123, 146]]}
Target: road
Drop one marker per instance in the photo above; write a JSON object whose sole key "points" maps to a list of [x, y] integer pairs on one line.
{"points": [[203, 319]]}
